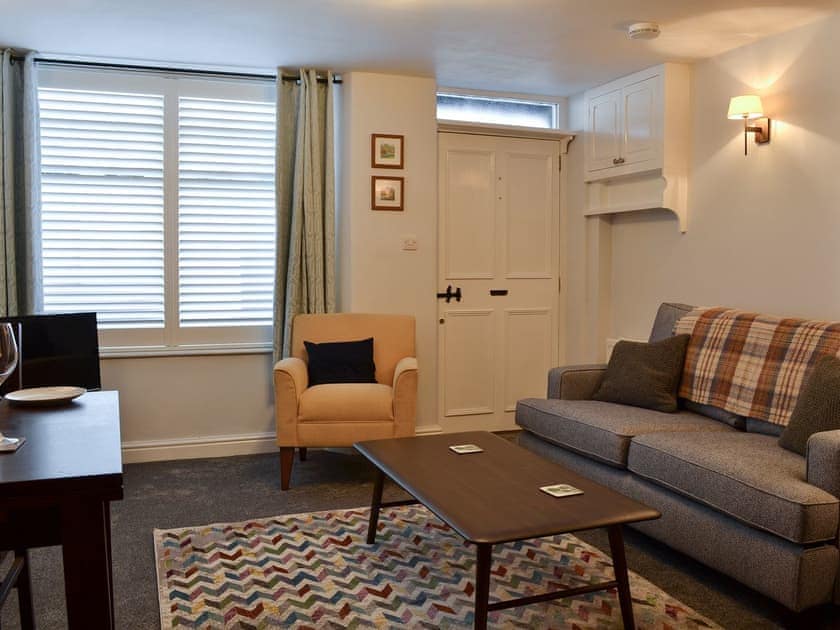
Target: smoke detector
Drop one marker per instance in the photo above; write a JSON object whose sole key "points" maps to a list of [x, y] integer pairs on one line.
{"points": [[643, 30]]}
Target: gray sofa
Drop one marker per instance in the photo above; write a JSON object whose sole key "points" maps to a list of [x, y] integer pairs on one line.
{"points": [[730, 496]]}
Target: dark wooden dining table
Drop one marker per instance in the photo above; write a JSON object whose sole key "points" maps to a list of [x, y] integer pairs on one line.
{"points": [[56, 489]]}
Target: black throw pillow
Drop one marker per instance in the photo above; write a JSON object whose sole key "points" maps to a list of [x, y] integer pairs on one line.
{"points": [[645, 374], [340, 362], [817, 407]]}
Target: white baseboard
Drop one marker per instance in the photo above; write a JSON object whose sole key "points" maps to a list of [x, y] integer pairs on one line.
{"points": [[214, 446], [197, 447]]}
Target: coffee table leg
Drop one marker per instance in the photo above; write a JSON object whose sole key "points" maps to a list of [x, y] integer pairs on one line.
{"points": [[482, 584], [375, 505], [620, 568]]}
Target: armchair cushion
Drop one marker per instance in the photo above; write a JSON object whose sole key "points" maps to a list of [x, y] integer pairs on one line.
{"points": [[346, 402], [341, 362]]}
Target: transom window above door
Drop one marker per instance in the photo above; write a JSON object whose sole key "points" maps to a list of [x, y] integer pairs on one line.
{"points": [[497, 110]]}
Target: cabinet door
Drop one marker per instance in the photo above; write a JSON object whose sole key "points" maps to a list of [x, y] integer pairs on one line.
{"points": [[604, 131], [640, 142]]}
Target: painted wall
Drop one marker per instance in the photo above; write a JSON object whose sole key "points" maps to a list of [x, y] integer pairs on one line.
{"points": [[763, 230], [193, 406], [375, 274]]}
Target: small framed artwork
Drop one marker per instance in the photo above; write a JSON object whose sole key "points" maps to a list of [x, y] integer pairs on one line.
{"points": [[386, 193], [386, 151]]}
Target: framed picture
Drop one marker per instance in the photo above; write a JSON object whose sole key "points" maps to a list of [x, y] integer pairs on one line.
{"points": [[386, 193], [386, 151]]}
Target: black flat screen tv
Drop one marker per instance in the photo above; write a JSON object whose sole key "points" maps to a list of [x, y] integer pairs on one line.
{"points": [[61, 349]]}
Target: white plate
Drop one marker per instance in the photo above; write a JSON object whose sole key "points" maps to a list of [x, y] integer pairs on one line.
{"points": [[35, 396]]}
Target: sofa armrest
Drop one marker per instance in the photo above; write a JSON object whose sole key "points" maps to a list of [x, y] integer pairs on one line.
{"points": [[575, 382], [290, 380], [822, 457], [405, 397]]}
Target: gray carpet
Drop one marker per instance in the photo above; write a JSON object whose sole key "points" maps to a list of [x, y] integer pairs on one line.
{"points": [[195, 492]]}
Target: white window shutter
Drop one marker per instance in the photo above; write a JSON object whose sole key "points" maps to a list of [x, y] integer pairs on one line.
{"points": [[102, 205], [226, 214]]}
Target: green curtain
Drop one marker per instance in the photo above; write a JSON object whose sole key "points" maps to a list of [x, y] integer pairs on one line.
{"points": [[20, 187], [305, 182]]}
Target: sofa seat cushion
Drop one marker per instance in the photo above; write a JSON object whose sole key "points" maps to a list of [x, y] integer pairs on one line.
{"points": [[603, 430], [346, 402], [745, 475]]}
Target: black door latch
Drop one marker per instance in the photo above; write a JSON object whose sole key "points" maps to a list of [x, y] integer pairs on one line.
{"points": [[449, 294]]}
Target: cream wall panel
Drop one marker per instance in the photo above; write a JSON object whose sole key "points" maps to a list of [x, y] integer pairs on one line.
{"points": [[376, 274]]}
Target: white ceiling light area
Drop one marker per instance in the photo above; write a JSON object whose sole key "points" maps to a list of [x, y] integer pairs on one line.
{"points": [[556, 47]]}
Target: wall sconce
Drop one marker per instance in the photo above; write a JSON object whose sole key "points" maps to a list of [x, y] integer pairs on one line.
{"points": [[748, 107]]}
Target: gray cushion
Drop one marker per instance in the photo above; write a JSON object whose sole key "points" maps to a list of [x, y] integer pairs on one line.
{"points": [[763, 427], [817, 406], [745, 475], [666, 317], [644, 374], [721, 415], [602, 430]]}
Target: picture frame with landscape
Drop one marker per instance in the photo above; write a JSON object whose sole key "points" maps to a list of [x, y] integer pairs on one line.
{"points": [[387, 193], [386, 150]]}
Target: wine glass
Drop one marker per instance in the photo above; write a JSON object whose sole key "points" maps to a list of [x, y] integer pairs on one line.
{"points": [[8, 352], [8, 362]]}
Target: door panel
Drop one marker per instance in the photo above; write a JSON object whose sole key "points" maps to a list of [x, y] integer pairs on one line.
{"points": [[528, 342], [639, 118], [469, 187], [529, 214], [605, 137], [468, 354], [499, 221]]}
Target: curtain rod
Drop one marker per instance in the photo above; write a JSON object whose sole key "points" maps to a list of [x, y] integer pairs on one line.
{"points": [[121, 66]]}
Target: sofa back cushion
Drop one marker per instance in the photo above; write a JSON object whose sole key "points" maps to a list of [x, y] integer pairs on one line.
{"points": [[663, 327], [749, 363], [666, 317]]}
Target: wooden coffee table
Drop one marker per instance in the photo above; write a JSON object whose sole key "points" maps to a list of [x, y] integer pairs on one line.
{"points": [[494, 497]]}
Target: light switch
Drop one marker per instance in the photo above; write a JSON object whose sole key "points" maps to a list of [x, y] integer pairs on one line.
{"points": [[409, 243]]}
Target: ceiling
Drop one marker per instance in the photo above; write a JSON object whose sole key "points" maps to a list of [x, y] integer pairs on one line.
{"points": [[550, 47]]}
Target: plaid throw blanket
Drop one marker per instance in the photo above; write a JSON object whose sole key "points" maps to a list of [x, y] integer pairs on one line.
{"points": [[751, 364]]}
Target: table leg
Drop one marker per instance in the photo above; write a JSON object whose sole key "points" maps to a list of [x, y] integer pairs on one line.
{"points": [[375, 505], [24, 588], [85, 534], [620, 568], [482, 584]]}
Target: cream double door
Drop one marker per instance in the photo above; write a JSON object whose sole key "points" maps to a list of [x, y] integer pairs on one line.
{"points": [[498, 241]]}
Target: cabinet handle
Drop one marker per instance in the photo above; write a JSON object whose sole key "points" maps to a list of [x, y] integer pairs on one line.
{"points": [[618, 160]]}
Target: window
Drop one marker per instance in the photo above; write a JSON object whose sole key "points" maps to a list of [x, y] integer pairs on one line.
{"points": [[158, 205], [497, 110]]}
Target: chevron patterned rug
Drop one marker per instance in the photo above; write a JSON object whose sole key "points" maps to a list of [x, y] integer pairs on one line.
{"points": [[316, 571]]}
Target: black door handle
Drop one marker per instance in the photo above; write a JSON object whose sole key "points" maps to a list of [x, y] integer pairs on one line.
{"points": [[495, 292], [449, 294]]}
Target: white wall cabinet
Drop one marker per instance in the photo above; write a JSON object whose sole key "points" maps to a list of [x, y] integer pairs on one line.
{"points": [[623, 128], [638, 142]]}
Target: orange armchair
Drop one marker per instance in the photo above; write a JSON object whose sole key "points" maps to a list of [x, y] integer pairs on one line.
{"points": [[339, 414]]}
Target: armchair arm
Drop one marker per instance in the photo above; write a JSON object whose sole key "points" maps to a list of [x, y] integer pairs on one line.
{"points": [[290, 379], [405, 397], [822, 457], [575, 382]]}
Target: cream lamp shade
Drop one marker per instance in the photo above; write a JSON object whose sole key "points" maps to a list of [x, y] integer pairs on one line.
{"points": [[745, 107]]}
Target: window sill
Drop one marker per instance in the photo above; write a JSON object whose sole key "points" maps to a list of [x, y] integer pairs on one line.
{"points": [[139, 352]]}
